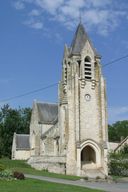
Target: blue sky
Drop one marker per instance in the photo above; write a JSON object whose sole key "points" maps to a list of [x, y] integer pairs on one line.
{"points": [[32, 38]]}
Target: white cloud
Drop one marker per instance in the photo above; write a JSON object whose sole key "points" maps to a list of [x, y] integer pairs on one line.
{"points": [[103, 16], [35, 12], [104, 20], [97, 3], [37, 25], [69, 11], [50, 5], [75, 4], [34, 23], [19, 5], [118, 113]]}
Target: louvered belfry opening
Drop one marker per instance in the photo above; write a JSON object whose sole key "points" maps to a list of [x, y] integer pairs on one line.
{"points": [[87, 68]]}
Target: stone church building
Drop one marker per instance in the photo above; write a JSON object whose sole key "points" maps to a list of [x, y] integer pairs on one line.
{"points": [[71, 137]]}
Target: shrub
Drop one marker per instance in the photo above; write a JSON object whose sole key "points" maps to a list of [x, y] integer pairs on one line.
{"points": [[6, 174], [118, 167], [2, 167], [18, 175], [124, 150], [118, 162]]}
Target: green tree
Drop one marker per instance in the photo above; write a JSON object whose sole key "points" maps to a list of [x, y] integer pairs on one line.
{"points": [[118, 130], [12, 120]]}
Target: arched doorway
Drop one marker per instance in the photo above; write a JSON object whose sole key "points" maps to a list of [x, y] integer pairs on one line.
{"points": [[88, 157]]}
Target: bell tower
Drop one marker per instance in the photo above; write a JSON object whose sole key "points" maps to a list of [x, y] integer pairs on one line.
{"points": [[82, 108]]}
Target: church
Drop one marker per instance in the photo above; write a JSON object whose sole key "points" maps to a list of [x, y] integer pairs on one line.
{"points": [[71, 137]]}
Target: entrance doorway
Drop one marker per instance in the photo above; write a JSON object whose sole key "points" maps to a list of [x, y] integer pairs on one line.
{"points": [[88, 157]]}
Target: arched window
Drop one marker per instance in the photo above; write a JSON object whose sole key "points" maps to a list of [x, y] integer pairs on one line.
{"points": [[87, 68]]}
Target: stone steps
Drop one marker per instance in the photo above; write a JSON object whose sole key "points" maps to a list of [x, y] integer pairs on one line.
{"points": [[93, 173]]}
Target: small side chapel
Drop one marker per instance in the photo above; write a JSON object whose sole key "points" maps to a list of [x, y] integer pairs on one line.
{"points": [[71, 137]]}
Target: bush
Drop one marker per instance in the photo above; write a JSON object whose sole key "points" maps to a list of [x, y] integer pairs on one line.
{"points": [[118, 167], [7, 174], [124, 150], [18, 175], [118, 162], [2, 167]]}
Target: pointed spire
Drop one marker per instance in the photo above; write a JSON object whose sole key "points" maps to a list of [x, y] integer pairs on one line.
{"points": [[66, 51], [80, 40]]}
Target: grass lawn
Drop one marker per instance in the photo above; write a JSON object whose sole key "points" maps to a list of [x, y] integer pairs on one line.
{"points": [[31, 185], [22, 166]]}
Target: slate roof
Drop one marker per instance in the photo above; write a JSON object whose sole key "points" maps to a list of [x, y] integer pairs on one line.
{"points": [[22, 141], [79, 41], [47, 113]]}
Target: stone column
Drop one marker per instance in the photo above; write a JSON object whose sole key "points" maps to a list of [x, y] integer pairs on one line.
{"points": [[78, 162]]}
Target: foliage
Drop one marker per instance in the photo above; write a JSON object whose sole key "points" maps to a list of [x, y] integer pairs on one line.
{"points": [[119, 168], [2, 167], [118, 130], [124, 150], [9, 174], [6, 174], [118, 162], [18, 175], [12, 120]]}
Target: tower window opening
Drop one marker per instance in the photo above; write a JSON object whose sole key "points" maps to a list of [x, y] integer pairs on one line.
{"points": [[65, 75], [87, 65], [79, 64], [87, 68], [87, 73], [88, 77]]}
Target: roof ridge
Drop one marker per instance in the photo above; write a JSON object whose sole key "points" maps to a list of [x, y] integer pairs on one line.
{"points": [[50, 103]]}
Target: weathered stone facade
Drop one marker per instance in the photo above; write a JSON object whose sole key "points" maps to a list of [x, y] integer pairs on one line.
{"points": [[71, 137]]}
